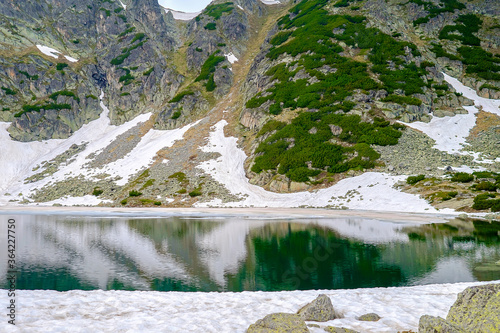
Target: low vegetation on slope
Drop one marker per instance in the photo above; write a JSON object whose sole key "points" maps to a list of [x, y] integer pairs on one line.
{"points": [[326, 139]]}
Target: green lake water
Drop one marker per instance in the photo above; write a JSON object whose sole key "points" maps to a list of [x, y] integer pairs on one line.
{"points": [[236, 254]]}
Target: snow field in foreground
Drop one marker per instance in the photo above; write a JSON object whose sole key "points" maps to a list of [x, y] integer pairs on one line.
{"points": [[149, 311]]}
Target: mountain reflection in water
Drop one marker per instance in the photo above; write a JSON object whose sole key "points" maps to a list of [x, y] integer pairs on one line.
{"points": [[236, 253]]}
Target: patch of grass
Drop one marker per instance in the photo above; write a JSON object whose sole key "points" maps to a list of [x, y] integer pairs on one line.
{"points": [[60, 66], [210, 85], [485, 186], [209, 66], [9, 91], [37, 107], [484, 201], [91, 96], [180, 96], [216, 11], [149, 71], [148, 183], [180, 176], [436, 9], [31, 77], [127, 31], [134, 193], [468, 24], [489, 86], [182, 191], [462, 177], [210, 26], [97, 191], [67, 93], [402, 100], [412, 180]]}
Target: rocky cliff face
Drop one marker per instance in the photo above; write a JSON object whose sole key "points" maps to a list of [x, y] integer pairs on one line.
{"points": [[315, 90]]}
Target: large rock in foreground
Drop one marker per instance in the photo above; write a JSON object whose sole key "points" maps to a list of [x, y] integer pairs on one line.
{"points": [[279, 323], [321, 309], [477, 309], [430, 324]]}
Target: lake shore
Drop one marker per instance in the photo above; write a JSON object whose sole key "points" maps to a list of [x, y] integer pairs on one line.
{"points": [[274, 213]]}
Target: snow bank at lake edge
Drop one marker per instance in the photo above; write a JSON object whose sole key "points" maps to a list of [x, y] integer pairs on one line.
{"points": [[139, 311]]}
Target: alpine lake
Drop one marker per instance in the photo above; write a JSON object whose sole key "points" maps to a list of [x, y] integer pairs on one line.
{"points": [[245, 253]]}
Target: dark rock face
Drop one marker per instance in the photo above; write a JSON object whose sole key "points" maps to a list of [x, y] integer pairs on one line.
{"points": [[122, 52]]}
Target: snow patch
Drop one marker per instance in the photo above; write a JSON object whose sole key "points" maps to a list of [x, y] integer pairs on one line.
{"points": [[369, 191], [20, 160], [123, 5], [150, 311], [87, 200], [231, 57], [182, 16], [270, 2], [450, 133], [54, 53]]}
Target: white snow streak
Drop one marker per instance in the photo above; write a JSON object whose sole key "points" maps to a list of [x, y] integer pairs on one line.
{"points": [[270, 2], [54, 53], [123, 5]]}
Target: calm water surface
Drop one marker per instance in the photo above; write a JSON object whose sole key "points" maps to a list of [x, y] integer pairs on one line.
{"points": [[236, 254]]}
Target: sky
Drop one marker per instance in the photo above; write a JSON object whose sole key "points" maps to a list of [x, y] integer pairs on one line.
{"points": [[188, 6]]}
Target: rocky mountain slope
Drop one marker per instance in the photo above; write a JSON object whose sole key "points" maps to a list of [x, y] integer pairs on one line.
{"points": [[133, 107]]}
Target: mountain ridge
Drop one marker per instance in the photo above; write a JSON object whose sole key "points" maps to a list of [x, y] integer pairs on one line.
{"points": [[242, 53]]}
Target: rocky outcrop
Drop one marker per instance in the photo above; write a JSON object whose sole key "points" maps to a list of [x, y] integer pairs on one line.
{"points": [[430, 324], [333, 329], [477, 309], [369, 317], [279, 322], [321, 309], [119, 51]]}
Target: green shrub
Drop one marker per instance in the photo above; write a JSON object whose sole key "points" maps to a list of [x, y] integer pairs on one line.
{"points": [[149, 71], [485, 186], [195, 193], [210, 26], [182, 191], [176, 114], [9, 91], [489, 86], [412, 180], [209, 66], [402, 100], [462, 177], [210, 85], [180, 176], [134, 193], [123, 202], [91, 96], [97, 191], [468, 24], [216, 11], [37, 107], [180, 96], [31, 77], [68, 93], [157, 203], [484, 201], [60, 66]]}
